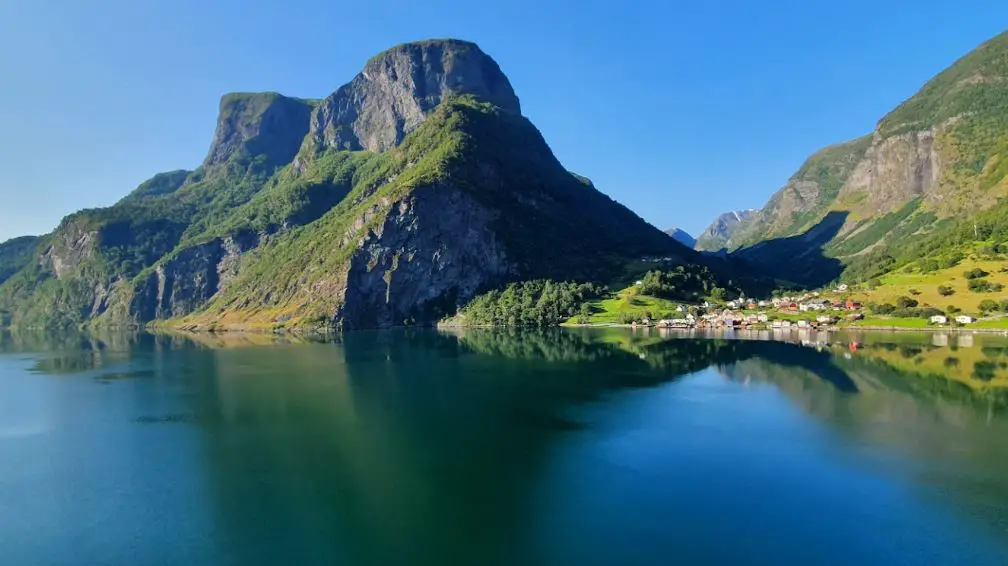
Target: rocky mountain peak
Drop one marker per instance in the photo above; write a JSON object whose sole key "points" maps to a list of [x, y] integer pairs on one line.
{"points": [[399, 88], [719, 234], [259, 124]]}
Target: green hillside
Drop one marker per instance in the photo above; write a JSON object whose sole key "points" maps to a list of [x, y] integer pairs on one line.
{"points": [[908, 193]]}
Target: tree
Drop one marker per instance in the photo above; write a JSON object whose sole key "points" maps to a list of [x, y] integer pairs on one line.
{"points": [[1004, 306], [718, 294], [945, 291], [975, 273], [987, 306], [906, 302]]}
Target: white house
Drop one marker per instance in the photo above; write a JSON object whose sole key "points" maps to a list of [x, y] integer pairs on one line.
{"points": [[939, 319], [803, 324], [965, 319], [825, 319], [762, 317], [841, 288]]}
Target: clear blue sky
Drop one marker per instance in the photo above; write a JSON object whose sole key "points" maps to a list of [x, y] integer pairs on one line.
{"points": [[678, 110]]}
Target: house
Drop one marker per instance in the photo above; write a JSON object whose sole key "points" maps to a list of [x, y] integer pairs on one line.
{"points": [[939, 319], [965, 319], [762, 317], [646, 321], [679, 308], [803, 324], [825, 319], [855, 316], [853, 305], [842, 288], [785, 324], [751, 305], [752, 319], [763, 304]]}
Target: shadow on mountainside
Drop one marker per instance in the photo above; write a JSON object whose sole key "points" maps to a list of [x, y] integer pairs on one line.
{"points": [[798, 259]]}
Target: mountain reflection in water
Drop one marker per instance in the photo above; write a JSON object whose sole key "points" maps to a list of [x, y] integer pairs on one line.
{"points": [[509, 446]]}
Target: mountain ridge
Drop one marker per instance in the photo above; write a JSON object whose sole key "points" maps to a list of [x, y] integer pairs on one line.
{"points": [[394, 200], [936, 159]]}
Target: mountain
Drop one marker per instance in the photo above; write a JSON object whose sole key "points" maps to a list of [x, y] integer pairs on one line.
{"points": [[15, 254], [719, 235], [682, 237], [906, 195], [393, 200]]}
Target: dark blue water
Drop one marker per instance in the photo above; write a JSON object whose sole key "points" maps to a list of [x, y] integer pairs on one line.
{"points": [[579, 448]]}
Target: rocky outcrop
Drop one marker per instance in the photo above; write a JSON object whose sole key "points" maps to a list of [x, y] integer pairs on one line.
{"points": [[894, 171], [397, 89], [70, 245], [259, 124], [188, 281], [431, 254]]}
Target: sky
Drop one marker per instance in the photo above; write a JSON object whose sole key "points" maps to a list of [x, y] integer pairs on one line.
{"points": [[679, 110]]}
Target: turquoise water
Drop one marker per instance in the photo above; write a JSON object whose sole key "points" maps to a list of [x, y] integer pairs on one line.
{"points": [[564, 447]]}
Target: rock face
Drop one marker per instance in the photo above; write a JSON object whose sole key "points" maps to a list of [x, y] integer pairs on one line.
{"points": [[254, 124], [188, 281], [719, 234], [434, 248], [682, 237], [397, 89]]}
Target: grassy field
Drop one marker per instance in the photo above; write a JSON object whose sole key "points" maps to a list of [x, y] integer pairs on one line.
{"points": [[629, 303], [899, 284]]}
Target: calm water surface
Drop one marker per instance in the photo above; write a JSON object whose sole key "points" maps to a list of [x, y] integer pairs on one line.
{"points": [[554, 448]]}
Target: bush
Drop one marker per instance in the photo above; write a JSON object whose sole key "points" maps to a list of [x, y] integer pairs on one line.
{"points": [[906, 302], [884, 308], [988, 305], [984, 286], [952, 309], [914, 292], [1004, 306], [976, 273], [946, 291]]}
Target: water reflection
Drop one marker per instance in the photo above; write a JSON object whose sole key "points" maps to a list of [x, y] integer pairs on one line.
{"points": [[419, 447]]}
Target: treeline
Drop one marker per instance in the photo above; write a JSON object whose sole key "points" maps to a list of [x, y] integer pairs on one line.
{"points": [[687, 283], [540, 303]]}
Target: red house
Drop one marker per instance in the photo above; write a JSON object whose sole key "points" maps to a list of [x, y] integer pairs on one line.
{"points": [[853, 305]]}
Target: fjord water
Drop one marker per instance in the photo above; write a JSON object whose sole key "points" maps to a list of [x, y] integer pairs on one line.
{"points": [[481, 447]]}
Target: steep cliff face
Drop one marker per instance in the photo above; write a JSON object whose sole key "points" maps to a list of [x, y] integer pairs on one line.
{"points": [[266, 125], [435, 248], [397, 89], [186, 282], [719, 235]]}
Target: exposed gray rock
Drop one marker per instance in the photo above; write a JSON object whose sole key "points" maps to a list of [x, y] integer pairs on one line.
{"points": [[431, 254], [71, 244], [263, 123], [188, 281], [398, 88], [719, 234]]}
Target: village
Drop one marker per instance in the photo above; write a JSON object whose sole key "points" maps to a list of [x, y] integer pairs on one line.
{"points": [[809, 310]]}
